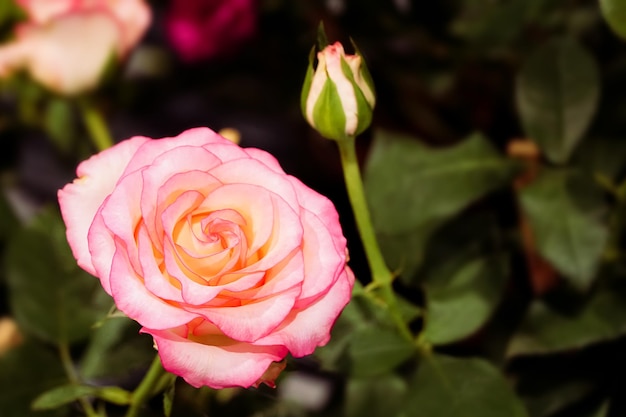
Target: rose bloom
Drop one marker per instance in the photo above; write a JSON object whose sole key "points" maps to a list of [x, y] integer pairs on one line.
{"points": [[228, 262], [66, 44], [205, 29]]}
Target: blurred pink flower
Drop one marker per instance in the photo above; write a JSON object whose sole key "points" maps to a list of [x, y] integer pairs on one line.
{"points": [[205, 29], [66, 44]]}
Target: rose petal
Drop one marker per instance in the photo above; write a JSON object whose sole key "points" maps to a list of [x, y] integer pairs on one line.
{"points": [[249, 322], [132, 297], [193, 137], [223, 365], [304, 330], [80, 200]]}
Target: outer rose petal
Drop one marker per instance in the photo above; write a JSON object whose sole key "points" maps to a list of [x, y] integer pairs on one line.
{"points": [[298, 333], [134, 17], [41, 11], [81, 199], [236, 364], [69, 54]]}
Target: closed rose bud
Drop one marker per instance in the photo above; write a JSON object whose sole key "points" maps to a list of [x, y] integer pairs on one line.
{"points": [[338, 94]]}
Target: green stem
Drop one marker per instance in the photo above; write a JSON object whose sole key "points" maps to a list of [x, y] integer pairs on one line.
{"points": [[146, 388], [381, 275], [72, 375], [96, 126]]}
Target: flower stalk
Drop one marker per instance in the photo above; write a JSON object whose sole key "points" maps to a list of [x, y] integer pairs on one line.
{"points": [[96, 126], [146, 388], [381, 276]]}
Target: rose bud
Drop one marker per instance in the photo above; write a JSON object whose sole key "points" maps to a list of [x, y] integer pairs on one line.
{"points": [[338, 95]]}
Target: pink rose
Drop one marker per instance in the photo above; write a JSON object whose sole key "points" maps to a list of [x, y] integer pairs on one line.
{"points": [[66, 44], [228, 262], [205, 29]]}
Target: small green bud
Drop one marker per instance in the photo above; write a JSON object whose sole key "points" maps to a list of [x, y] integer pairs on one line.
{"points": [[338, 95]]}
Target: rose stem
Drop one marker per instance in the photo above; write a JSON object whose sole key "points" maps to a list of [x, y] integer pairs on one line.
{"points": [[66, 360], [146, 387], [381, 275], [95, 124]]}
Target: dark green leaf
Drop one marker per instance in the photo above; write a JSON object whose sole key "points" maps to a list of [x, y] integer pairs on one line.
{"points": [[445, 386], [546, 329], [25, 372], [614, 11], [557, 94], [116, 351], [459, 304], [496, 23], [380, 396], [374, 350], [364, 311], [66, 394], [59, 123], [564, 212], [51, 297], [168, 400], [62, 395], [412, 189]]}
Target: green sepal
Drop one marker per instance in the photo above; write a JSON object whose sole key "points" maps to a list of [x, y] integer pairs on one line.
{"points": [[308, 79], [322, 39], [328, 114]]}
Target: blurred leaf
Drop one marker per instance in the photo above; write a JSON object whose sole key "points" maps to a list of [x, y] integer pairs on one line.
{"points": [[62, 395], [564, 211], [50, 296], [460, 303], [601, 411], [168, 400], [547, 330], [59, 123], [380, 396], [497, 23], [363, 313], [412, 189], [25, 372], [375, 351], [557, 95], [446, 386], [8, 220], [66, 394], [547, 389], [602, 155], [116, 351], [614, 11]]}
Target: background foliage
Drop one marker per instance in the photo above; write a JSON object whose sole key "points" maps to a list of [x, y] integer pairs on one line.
{"points": [[494, 169]]}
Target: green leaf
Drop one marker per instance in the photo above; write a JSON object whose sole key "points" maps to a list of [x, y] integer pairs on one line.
{"points": [[564, 211], [459, 304], [445, 386], [379, 396], [168, 400], [546, 329], [614, 12], [375, 351], [50, 296], [62, 395], [116, 352], [66, 394], [59, 122], [25, 372], [364, 311], [412, 189], [492, 23], [557, 94]]}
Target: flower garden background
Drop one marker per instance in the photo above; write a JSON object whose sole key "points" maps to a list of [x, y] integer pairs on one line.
{"points": [[493, 167]]}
